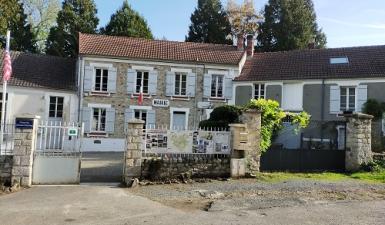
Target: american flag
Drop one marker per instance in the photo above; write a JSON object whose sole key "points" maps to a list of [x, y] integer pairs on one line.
{"points": [[7, 66]]}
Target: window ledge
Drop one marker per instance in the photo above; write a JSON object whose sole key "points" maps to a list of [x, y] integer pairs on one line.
{"points": [[136, 95], [97, 134], [99, 93], [180, 97], [212, 99]]}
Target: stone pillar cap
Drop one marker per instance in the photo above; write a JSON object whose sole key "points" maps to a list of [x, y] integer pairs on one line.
{"points": [[358, 116], [137, 121], [28, 116], [237, 125]]}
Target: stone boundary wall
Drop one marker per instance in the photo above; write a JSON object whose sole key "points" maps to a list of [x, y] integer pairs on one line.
{"points": [[6, 162], [379, 156], [180, 166]]}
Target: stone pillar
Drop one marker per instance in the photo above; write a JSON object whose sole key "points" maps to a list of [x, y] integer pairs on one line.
{"points": [[239, 146], [24, 147], [358, 141], [252, 119], [133, 156]]}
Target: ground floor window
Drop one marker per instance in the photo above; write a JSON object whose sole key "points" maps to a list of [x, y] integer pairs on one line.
{"points": [[259, 91], [56, 105], [99, 120], [179, 120], [141, 115]]}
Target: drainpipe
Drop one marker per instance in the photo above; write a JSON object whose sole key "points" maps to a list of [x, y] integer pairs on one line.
{"points": [[322, 109], [80, 83]]}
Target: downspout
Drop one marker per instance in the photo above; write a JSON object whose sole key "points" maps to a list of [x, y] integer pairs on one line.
{"points": [[80, 89], [322, 109]]}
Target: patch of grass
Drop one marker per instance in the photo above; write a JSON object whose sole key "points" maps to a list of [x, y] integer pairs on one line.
{"points": [[376, 176]]}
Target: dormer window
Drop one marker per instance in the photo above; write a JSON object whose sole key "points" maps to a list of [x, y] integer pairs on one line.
{"points": [[339, 60]]}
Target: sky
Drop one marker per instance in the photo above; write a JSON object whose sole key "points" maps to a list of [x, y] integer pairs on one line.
{"points": [[345, 22]]}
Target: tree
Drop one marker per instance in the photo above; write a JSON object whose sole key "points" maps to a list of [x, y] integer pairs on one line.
{"points": [[289, 25], [127, 22], [209, 23], [243, 17], [14, 19], [42, 16], [74, 17]]}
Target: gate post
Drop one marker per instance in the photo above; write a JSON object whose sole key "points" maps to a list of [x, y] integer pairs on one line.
{"points": [[24, 147], [252, 119], [358, 141], [133, 156]]}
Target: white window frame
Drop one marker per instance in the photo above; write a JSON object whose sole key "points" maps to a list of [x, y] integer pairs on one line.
{"points": [[56, 105], [142, 81], [98, 129], [101, 79], [97, 106], [216, 86], [180, 74], [347, 98], [174, 109], [258, 95]]}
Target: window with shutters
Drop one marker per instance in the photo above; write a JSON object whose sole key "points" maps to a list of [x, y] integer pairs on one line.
{"points": [[217, 86], [56, 105], [141, 115], [180, 84], [99, 119], [142, 81], [259, 91], [348, 99], [101, 80]]}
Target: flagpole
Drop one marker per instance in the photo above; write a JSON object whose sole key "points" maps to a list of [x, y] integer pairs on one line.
{"points": [[4, 94]]}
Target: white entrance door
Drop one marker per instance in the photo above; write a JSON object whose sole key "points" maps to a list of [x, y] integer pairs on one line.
{"points": [[179, 120]]}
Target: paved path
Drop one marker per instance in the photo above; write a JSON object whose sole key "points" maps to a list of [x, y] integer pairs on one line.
{"points": [[50, 205]]}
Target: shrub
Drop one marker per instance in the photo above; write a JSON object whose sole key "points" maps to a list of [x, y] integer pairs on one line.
{"points": [[374, 108], [222, 116]]}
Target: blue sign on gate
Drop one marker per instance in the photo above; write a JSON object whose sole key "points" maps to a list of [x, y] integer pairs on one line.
{"points": [[23, 123]]}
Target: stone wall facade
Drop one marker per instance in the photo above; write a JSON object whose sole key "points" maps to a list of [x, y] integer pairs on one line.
{"points": [[358, 141], [5, 169], [120, 100], [185, 166]]}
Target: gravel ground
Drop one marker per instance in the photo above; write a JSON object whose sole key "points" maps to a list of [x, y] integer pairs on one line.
{"points": [[248, 194]]}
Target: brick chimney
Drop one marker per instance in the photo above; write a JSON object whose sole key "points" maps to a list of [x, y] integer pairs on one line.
{"points": [[250, 45], [240, 42]]}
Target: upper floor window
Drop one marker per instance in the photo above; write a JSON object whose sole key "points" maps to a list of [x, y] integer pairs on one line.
{"points": [[56, 105], [217, 86], [141, 115], [180, 84], [348, 99], [142, 81], [99, 119], [259, 91], [101, 79]]}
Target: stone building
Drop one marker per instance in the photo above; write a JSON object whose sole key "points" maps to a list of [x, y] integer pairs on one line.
{"points": [[182, 82]]}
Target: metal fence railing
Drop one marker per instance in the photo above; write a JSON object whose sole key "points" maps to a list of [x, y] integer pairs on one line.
{"points": [[7, 139]]}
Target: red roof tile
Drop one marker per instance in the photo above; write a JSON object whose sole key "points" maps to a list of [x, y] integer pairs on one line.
{"points": [[138, 48], [364, 62]]}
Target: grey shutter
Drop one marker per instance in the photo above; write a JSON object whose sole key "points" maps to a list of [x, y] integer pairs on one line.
{"points": [[152, 82], [110, 120], [207, 85], [131, 81], [170, 83], [362, 97], [111, 85], [86, 119], [151, 119], [335, 96], [228, 88], [128, 114], [88, 78], [191, 78]]}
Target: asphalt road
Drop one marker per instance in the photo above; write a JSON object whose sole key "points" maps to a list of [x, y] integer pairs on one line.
{"points": [[101, 167], [84, 204]]}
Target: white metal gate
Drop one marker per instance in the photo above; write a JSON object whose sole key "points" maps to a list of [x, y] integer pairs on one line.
{"points": [[57, 156]]}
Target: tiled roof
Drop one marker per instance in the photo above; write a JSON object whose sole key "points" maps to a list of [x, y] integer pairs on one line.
{"points": [[40, 71], [364, 62], [138, 48]]}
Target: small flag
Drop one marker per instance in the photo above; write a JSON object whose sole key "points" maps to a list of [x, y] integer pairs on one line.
{"points": [[7, 66], [140, 98]]}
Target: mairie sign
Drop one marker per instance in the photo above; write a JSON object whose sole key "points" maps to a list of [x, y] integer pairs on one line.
{"points": [[160, 103]]}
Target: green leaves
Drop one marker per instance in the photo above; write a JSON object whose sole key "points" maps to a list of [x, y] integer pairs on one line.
{"points": [[271, 119], [289, 25], [127, 22], [209, 23]]}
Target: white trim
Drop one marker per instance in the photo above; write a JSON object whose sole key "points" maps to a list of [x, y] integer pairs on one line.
{"points": [[145, 68], [340, 82], [140, 107], [174, 109], [181, 70], [163, 63], [102, 65], [97, 105], [219, 72]]}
